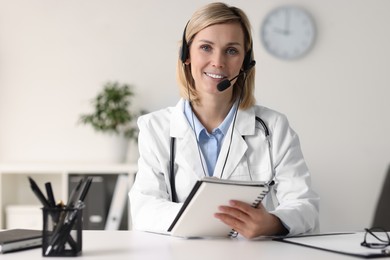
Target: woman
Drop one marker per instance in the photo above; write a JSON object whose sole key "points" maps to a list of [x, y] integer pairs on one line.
{"points": [[218, 133]]}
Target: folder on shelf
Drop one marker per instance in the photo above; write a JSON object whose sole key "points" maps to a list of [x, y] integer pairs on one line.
{"points": [[118, 203]]}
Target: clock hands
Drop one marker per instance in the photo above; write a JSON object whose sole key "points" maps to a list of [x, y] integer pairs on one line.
{"points": [[286, 29], [287, 21], [280, 31]]}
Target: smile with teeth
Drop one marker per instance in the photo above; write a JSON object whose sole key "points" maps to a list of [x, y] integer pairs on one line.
{"points": [[215, 76]]}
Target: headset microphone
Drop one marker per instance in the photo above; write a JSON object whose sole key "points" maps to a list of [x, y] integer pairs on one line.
{"points": [[227, 82]]}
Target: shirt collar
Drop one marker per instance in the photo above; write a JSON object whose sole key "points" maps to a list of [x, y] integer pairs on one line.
{"points": [[194, 121]]}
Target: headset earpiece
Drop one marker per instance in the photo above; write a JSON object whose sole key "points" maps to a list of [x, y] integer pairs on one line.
{"points": [[247, 60], [184, 47]]}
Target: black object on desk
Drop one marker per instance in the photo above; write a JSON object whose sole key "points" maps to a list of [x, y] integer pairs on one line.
{"points": [[62, 224], [62, 236], [382, 212], [341, 243], [18, 239]]}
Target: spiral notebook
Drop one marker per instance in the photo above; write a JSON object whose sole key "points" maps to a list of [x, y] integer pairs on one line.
{"points": [[196, 216]]}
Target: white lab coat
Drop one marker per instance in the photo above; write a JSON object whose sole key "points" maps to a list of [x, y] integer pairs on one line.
{"points": [[292, 199]]}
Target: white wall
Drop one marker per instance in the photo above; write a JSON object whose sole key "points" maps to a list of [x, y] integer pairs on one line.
{"points": [[55, 56]]}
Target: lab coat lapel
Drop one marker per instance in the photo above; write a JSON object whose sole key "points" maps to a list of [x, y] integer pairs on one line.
{"points": [[245, 125], [186, 153], [237, 151]]}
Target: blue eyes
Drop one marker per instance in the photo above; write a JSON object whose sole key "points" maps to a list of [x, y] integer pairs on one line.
{"points": [[230, 50], [205, 48]]}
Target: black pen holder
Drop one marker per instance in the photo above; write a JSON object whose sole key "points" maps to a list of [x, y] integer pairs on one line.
{"points": [[62, 231]]}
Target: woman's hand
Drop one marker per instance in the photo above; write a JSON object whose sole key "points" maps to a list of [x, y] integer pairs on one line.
{"points": [[250, 222]]}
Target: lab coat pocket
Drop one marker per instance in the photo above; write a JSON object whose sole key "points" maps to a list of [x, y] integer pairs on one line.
{"points": [[252, 173], [261, 172]]}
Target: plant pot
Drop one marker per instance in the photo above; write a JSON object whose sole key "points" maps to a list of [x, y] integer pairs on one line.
{"points": [[109, 149], [132, 152]]}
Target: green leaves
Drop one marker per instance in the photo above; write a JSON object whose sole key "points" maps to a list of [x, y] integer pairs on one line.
{"points": [[111, 111]]}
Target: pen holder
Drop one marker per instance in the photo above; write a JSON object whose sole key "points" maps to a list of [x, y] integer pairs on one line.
{"points": [[62, 231]]}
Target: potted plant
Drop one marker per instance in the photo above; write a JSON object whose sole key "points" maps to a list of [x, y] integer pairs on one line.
{"points": [[111, 113]]}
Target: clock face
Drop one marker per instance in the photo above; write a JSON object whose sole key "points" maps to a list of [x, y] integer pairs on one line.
{"points": [[288, 32]]}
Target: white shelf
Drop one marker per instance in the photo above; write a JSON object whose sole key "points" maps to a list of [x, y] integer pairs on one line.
{"points": [[62, 168], [15, 188]]}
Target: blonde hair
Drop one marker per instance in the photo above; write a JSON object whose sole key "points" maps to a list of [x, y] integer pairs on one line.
{"points": [[211, 14]]}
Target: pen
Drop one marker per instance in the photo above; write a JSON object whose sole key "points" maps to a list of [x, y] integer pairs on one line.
{"points": [[50, 195], [80, 192], [38, 193], [74, 193], [85, 189]]}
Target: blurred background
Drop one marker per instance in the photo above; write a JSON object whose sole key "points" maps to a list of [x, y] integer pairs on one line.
{"points": [[56, 55]]}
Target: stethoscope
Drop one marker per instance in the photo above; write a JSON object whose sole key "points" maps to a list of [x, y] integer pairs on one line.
{"points": [[172, 160]]}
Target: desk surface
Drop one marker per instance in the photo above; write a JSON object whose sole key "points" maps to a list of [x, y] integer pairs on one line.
{"points": [[133, 245]]}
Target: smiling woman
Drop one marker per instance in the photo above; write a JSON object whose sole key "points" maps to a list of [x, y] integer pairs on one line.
{"points": [[221, 133]]}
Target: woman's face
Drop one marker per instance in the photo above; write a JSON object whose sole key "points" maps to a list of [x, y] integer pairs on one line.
{"points": [[216, 53]]}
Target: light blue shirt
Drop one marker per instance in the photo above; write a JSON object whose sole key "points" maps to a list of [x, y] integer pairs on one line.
{"points": [[209, 143]]}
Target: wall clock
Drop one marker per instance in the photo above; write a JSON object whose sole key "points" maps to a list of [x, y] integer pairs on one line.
{"points": [[288, 32]]}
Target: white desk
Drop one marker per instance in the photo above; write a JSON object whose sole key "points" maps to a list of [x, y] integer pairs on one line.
{"points": [[133, 245]]}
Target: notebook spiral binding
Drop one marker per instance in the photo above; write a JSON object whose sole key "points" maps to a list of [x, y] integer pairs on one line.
{"points": [[255, 204]]}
